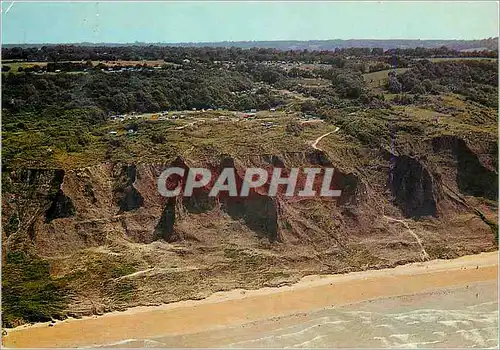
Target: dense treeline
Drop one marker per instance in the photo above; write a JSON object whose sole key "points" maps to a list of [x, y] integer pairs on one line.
{"points": [[477, 80], [489, 43], [210, 54], [284, 45], [133, 91], [241, 87]]}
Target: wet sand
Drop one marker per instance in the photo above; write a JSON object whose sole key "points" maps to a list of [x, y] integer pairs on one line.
{"points": [[238, 307], [455, 317]]}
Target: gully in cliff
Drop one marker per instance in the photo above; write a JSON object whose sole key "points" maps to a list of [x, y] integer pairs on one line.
{"points": [[294, 182]]}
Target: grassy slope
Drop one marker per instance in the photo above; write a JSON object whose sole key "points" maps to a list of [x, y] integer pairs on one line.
{"points": [[158, 140]]}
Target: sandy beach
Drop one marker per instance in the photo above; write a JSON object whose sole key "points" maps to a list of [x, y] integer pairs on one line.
{"points": [[273, 307]]}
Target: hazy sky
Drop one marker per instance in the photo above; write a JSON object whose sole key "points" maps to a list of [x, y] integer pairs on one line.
{"points": [[121, 22]]}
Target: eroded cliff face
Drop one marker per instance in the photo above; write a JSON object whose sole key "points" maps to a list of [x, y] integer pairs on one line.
{"points": [[413, 187], [87, 207], [187, 247], [475, 170]]}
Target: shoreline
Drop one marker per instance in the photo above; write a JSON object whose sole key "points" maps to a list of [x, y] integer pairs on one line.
{"points": [[239, 306]]}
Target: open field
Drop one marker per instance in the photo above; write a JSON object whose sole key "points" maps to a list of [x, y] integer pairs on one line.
{"points": [[14, 64], [150, 63], [197, 133], [378, 79]]}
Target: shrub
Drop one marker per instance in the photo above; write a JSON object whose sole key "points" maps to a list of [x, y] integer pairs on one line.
{"points": [[29, 293], [294, 128]]}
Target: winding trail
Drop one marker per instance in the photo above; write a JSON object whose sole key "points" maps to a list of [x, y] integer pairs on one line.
{"points": [[315, 143], [425, 256]]}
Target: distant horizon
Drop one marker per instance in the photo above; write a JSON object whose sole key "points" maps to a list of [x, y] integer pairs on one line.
{"points": [[240, 41], [34, 23]]}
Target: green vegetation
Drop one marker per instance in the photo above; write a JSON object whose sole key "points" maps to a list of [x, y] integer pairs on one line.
{"points": [[476, 80], [62, 121], [29, 293], [493, 225], [327, 51]]}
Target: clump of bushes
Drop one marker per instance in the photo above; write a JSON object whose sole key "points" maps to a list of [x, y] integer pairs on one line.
{"points": [[294, 128], [29, 293]]}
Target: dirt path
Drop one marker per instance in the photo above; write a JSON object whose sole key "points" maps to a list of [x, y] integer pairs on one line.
{"points": [[315, 121], [186, 125], [315, 143], [424, 254], [238, 307]]}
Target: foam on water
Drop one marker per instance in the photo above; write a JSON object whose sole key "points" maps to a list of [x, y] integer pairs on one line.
{"points": [[114, 344], [456, 319], [418, 328]]}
